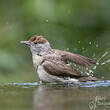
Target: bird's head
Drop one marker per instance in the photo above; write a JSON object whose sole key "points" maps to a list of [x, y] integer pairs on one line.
{"points": [[38, 45]]}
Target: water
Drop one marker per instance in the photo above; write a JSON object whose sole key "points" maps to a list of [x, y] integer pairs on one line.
{"points": [[104, 83], [34, 96]]}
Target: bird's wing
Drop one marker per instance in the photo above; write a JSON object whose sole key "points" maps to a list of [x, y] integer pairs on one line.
{"points": [[60, 69], [75, 58]]}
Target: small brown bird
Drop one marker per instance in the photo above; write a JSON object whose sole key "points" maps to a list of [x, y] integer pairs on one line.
{"points": [[52, 65]]}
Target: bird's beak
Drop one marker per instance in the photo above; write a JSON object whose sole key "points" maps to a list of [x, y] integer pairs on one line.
{"points": [[25, 42]]}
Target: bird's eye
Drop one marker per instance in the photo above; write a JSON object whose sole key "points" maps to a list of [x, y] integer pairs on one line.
{"points": [[35, 42]]}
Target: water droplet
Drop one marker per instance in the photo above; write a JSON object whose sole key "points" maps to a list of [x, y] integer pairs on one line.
{"points": [[67, 49], [90, 43], [94, 68], [47, 20], [79, 42], [88, 74], [90, 71], [97, 63], [82, 48], [97, 45]]}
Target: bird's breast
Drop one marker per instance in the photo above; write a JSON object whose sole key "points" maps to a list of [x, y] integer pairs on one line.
{"points": [[37, 60]]}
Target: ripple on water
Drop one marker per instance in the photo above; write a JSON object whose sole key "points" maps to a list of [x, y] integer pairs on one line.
{"points": [[104, 83], [22, 85]]}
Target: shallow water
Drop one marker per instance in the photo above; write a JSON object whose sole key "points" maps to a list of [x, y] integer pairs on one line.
{"points": [[34, 96]]}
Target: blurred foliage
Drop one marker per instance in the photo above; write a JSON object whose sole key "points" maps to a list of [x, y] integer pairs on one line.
{"points": [[81, 26]]}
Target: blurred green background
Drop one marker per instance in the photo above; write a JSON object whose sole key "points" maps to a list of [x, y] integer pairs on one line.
{"points": [[78, 26]]}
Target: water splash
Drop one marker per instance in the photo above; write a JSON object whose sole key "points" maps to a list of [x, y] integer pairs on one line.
{"points": [[108, 61], [94, 67], [102, 57], [91, 71], [98, 61]]}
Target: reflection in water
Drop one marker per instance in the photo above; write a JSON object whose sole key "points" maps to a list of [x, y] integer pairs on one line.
{"points": [[15, 98], [67, 98], [32, 96]]}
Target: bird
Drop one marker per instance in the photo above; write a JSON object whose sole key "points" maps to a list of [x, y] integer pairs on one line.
{"points": [[53, 65]]}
